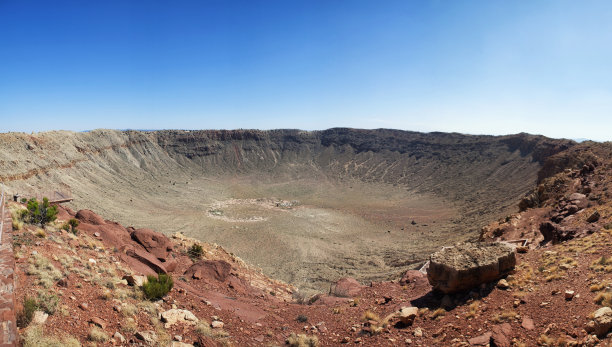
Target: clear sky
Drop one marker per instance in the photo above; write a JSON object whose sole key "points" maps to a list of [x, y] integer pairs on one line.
{"points": [[479, 67]]}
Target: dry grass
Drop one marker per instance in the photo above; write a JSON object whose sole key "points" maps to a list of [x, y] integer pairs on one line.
{"points": [[473, 309], [603, 299], [203, 328], [302, 340], [129, 325], [598, 286], [505, 316], [97, 335], [129, 310], [46, 273], [35, 337], [438, 313], [545, 340], [602, 264]]}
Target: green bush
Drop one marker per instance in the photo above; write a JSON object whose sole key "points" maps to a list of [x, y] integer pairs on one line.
{"points": [[196, 251], [24, 317], [157, 287], [37, 213], [73, 223]]}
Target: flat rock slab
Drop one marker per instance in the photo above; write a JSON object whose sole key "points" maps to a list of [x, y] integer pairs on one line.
{"points": [[467, 265]]}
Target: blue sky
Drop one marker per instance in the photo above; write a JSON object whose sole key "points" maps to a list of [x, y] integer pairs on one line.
{"points": [[479, 67]]}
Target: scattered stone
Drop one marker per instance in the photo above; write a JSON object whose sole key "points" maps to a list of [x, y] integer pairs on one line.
{"points": [[97, 234], [418, 332], [97, 321], [522, 249], [217, 324], [134, 280], [501, 335], [174, 316], [482, 340], [63, 282], [577, 197], [503, 284], [92, 261], [119, 337], [601, 323], [149, 337], [182, 344], [527, 323], [594, 217], [39, 317], [346, 339], [565, 266], [408, 341], [408, 314], [569, 294], [468, 265], [72, 297], [83, 306], [178, 338]]}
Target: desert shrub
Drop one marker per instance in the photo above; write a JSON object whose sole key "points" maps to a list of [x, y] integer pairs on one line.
{"points": [[157, 287], [35, 337], [302, 318], [302, 340], [24, 200], [97, 335], [24, 317], [603, 299], [46, 273], [39, 213], [40, 233], [195, 251], [47, 302], [73, 223], [203, 328]]}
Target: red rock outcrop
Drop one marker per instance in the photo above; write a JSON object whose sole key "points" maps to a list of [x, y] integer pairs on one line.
{"points": [[155, 243], [467, 265], [210, 269]]}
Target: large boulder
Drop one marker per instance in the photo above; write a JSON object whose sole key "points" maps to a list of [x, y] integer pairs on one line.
{"points": [[601, 323], [347, 287], [144, 258], [155, 243], [174, 316], [209, 269], [467, 265], [89, 217]]}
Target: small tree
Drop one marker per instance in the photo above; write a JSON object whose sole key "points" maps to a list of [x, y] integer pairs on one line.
{"points": [[37, 213]]}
